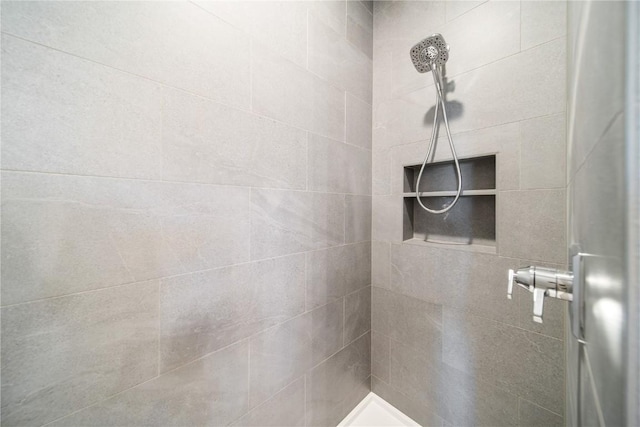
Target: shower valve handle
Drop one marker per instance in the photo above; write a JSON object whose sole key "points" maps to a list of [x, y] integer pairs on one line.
{"points": [[542, 283]]}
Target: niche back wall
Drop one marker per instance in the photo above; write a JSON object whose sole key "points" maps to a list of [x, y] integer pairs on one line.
{"points": [[186, 212]]}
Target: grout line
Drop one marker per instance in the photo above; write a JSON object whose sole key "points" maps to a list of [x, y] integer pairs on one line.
{"points": [[464, 312], [541, 407], [249, 375], [344, 219], [241, 264], [338, 351], [306, 281], [587, 155], [469, 131], [307, 41], [144, 382], [251, 60], [520, 26], [307, 163], [169, 86], [366, 8], [562, 187], [344, 126], [273, 396], [251, 217], [344, 321], [305, 400], [159, 324], [243, 187]]}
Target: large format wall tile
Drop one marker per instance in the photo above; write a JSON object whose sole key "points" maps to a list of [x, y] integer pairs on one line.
{"points": [[380, 354], [328, 329], [337, 167], [532, 225], [380, 264], [285, 352], [62, 354], [521, 362], [162, 149], [457, 397], [357, 218], [418, 410], [278, 356], [204, 141], [338, 384], [415, 372], [281, 25], [483, 35], [205, 311], [291, 94], [285, 409], [590, 97], [408, 118], [284, 222], [200, 53], [332, 57], [66, 234], [67, 115], [456, 8], [543, 151], [406, 20], [332, 13], [200, 393], [358, 126], [544, 92], [360, 26], [357, 314], [530, 415], [381, 171], [542, 21], [465, 400], [386, 218], [468, 281], [407, 320], [335, 272]]}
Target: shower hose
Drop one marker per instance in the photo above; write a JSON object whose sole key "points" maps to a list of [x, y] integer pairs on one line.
{"points": [[437, 79]]}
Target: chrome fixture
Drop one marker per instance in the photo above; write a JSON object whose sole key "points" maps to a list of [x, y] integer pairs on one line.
{"points": [[430, 55], [542, 283], [430, 51]]}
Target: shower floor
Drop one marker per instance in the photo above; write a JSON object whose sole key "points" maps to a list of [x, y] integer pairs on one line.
{"points": [[373, 411]]}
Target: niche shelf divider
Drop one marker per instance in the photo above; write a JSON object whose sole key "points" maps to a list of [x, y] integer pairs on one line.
{"points": [[471, 224]]}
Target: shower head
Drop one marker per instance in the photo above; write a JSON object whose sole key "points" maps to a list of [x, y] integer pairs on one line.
{"points": [[432, 50]]}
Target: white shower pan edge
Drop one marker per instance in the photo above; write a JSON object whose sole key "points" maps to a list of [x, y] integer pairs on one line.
{"points": [[374, 411]]}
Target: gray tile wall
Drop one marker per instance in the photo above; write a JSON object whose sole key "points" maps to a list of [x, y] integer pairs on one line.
{"points": [[448, 348], [186, 212]]}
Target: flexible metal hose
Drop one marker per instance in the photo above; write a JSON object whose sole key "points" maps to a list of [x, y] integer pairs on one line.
{"points": [[439, 101]]}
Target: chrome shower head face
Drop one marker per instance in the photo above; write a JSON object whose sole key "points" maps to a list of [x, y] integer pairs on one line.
{"points": [[431, 51]]}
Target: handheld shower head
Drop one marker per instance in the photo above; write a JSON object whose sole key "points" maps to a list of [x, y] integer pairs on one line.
{"points": [[431, 51]]}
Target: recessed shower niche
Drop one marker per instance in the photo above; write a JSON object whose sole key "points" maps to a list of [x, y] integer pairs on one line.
{"points": [[471, 223]]}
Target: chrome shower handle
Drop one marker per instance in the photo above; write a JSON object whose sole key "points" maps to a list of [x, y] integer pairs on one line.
{"points": [[519, 282], [542, 283]]}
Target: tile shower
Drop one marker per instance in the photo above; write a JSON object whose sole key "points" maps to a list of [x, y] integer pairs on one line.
{"points": [[202, 213]]}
